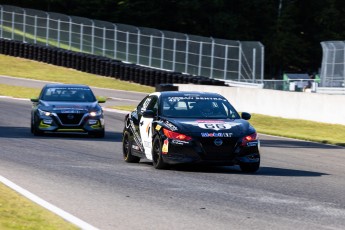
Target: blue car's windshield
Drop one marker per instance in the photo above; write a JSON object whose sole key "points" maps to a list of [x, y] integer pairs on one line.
{"points": [[68, 94], [197, 107]]}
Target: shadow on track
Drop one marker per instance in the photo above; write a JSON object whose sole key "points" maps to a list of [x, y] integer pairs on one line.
{"points": [[263, 171], [24, 132]]}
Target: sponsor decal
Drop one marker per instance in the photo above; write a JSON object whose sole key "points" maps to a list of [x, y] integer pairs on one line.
{"points": [[158, 127], [211, 121], [147, 144], [69, 107], [135, 147], [165, 146], [218, 142], [70, 111], [216, 134], [179, 142], [71, 88], [252, 143], [192, 97], [136, 136], [171, 126], [175, 99], [146, 103]]}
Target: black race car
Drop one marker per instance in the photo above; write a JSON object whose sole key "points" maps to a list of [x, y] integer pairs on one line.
{"points": [[190, 127], [67, 108]]}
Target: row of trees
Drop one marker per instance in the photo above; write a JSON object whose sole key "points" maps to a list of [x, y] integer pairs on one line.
{"points": [[291, 30]]}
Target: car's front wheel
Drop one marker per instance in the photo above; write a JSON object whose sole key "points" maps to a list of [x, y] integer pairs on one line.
{"points": [[35, 130], [157, 159], [126, 150], [250, 167], [31, 127]]}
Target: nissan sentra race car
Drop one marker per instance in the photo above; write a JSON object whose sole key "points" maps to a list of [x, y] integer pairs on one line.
{"points": [[190, 128], [67, 108]]}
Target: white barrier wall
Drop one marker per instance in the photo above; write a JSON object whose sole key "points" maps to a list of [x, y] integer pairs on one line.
{"points": [[297, 105]]}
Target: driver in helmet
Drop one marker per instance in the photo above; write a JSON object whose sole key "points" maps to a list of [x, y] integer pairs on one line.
{"points": [[206, 108]]}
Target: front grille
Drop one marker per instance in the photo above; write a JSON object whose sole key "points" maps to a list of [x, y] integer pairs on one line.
{"points": [[70, 118], [213, 152]]}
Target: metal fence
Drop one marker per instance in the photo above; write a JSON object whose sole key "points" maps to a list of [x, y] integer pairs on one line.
{"points": [[178, 52], [333, 64]]}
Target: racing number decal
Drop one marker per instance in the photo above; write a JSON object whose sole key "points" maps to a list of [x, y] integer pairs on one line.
{"points": [[214, 126]]}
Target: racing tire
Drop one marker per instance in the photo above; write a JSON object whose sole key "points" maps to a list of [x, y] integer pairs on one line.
{"points": [[36, 131], [250, 167], [31, 128], [127, 151], [157, 159]]}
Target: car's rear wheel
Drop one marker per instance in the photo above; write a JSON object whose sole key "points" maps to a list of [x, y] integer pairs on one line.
{"points": [[127, 151], [157, 159], [250, 167]]}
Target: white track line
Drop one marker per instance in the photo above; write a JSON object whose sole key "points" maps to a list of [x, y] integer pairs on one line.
{"points": [[65, 215]]}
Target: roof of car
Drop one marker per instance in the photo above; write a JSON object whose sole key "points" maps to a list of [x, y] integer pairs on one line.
{"points": [[188, 93], [66, 85]]}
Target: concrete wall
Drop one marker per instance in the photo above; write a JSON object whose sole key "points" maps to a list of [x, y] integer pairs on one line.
{"points": [[297, 105]]}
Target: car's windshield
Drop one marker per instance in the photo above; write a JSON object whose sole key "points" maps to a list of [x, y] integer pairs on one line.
{"points": [[68, 94], [197, 107]]}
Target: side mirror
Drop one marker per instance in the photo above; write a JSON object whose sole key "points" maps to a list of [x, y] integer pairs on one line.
{"points": [[34, 99], [246, 116], [101, 99], [148, 114]]}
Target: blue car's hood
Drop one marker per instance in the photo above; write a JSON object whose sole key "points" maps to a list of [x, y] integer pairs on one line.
{"points": [[55, 106]]}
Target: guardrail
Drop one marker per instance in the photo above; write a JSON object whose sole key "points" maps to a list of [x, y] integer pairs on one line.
{"points": [[195, 55], [100, 65]]}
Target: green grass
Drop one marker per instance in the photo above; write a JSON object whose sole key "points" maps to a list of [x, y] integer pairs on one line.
{"points": [[23, 68], [123, 107], [18, 91], [17, 212], [299, 129]]}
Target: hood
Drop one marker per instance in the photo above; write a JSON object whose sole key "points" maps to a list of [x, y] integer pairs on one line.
{"points": [[213, 127], [55, 106]]}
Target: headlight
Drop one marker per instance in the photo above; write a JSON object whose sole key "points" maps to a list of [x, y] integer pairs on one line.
{"points": [[96, 113], [44, 113]]}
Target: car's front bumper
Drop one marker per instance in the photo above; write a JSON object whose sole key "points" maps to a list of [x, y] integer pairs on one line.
{"points": [[194, 153], [54, 124]]}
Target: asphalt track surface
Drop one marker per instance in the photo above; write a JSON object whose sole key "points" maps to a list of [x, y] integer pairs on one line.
{"points": [[299, 186]]}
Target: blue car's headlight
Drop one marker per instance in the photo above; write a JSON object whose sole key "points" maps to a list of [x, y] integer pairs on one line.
{"points": [[44, 113], [96, 113]]}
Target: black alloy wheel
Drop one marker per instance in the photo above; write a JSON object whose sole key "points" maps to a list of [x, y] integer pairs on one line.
{"points": [[126, 150], [157, 159]]}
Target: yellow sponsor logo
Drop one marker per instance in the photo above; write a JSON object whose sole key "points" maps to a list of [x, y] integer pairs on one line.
{"points": [[158, 127]]}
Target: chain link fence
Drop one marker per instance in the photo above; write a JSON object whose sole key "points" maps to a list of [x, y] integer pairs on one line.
{"points": [[177, 52], [333, 64]]}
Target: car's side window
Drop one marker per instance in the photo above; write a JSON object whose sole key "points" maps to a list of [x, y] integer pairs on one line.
{"points": [[141, 104], [153, 104]]}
